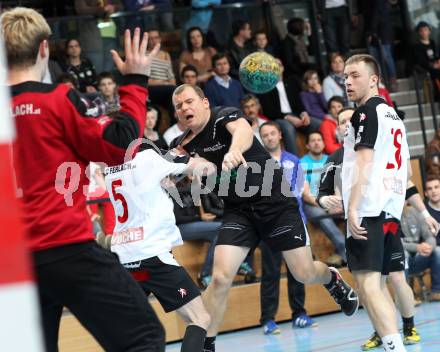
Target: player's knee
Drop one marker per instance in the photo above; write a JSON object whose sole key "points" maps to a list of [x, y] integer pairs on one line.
{"points": [[202, 319], [305, 275], [222, 280], [397, 280]]}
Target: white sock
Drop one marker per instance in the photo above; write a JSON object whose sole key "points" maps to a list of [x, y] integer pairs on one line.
{"points": [[393, 343]]}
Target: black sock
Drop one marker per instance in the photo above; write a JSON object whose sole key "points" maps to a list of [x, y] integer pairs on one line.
{"points": [[194, 339], [209, 344], [408, 323], [332, 280]]}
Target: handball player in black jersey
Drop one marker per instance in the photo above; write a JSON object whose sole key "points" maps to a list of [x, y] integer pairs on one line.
{"points": [[256, 205]]}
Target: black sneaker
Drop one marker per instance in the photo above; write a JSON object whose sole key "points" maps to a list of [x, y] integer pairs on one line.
{"points": [[343, 294]]}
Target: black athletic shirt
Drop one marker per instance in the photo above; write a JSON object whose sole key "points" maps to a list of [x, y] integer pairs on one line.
{"points": [[214, 141]]}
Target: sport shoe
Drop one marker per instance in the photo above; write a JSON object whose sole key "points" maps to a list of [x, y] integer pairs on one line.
{"points": [[271, 328], [434, 296], [411, 337], [304, 321], [249, 273], [343, 294], [204, 281], [373, 342]]}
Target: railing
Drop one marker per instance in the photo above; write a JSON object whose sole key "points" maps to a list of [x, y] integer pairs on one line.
{"points": [[422, 79]]}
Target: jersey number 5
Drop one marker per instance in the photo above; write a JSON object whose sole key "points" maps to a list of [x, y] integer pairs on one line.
{"points": [[397, 155], [118, 196]]}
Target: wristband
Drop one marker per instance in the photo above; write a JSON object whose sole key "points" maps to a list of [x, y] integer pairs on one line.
{"points": [[410, 192], [425, 213]]}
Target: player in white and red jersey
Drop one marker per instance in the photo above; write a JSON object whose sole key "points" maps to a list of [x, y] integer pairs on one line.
{"points": [[374, 181], [145, 233]]}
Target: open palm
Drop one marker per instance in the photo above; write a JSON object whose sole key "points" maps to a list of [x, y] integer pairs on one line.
{"points": [[136, 59]]}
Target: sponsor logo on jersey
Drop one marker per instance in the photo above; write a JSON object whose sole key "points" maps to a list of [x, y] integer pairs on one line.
{"points": [[362, 117], [288, 164], [25, 109], [214, 148], [130, 235], [393, 184]]}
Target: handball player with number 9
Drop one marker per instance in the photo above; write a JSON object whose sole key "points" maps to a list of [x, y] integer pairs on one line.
{"points": [[52, 129]]}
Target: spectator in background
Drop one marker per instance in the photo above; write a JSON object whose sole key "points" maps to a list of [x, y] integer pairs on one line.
{"points": [[80, 67], [53, 73], [189, 75], [197, 54], [161, 82], [423, 251], [329, 125], [174, 131], [333, 85], [68, 80], [222, 89], [312, 165], [150, 130], [295, 53], [252, 110], [283, 104], [261, 42], [164, 8], [271, 261], [108, 99], [89, 35], [426, 54], [336, 17], [379, 31], [238, 47], [432, 155], [432, 201], [312, 96]]}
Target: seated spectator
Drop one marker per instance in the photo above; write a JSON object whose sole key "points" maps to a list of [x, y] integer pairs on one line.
{"points": [[283, 104], [222, 89], [69, 80], [312, 165], [194, 226], [432, 200], [312, 96], [150, 130], [271, 261], [432, 155], [189, 75], [333, 85], [336, 18], [79, 67], [108, 99], [53, 73], [239, 47], [261, 43], [294, 49], [161, 82], [174, 131], [329, 125], [426, 54], [197, 54], [421, 246], [251, 108]]}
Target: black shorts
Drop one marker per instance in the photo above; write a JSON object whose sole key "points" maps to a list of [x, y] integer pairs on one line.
{"points": [[382, 251], [275, 220], [170, 283]]}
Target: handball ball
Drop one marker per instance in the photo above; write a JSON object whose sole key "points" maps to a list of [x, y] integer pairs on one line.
{"points": [[259, 72]]}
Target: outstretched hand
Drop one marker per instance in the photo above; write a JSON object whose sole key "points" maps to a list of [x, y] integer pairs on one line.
{"points": [[135, 50]]}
